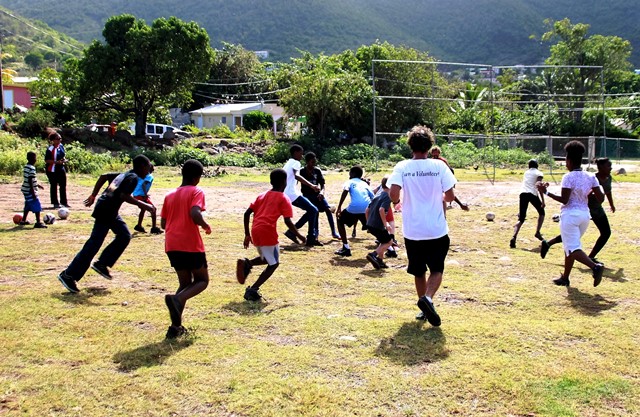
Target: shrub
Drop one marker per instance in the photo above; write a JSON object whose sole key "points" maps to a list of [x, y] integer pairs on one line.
{"points": [[84, 161], [277, 153], [244, 160], [179, 154], [222, 131], [255, 120], [359, 153], [34, 122]]}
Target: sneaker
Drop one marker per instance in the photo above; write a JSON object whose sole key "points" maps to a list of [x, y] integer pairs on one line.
{"points": [[101, 269], [175, 331], [335, 236], [562, 281], [139, 228], [312, 241], [24, 223], [373, 259], [40, 226], [595, 260], [382, 264], [243, 268], [391, 253], [353, 234], [544, 248], [512, 243], [421, 316], [598, 270], [429, 311], [343, 251], [68, 282], [291, 236], [539, 236], [156, 231], [252, 295], [56, 206], [175, 309]]}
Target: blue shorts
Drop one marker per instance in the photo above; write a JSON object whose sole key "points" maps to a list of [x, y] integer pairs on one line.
{"points": [[32, 204]]}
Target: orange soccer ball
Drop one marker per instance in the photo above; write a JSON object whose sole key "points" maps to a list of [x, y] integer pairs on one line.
{"points": [[17, 218]]}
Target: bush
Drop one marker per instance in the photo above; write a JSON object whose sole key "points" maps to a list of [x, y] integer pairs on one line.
{"points": [[244, 160], [278, 153], [81, 160], [34, 122], [255, 120], [179, 154], [222, 131], [359, 153]]}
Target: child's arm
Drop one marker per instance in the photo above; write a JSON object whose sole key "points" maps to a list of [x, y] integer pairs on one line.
{"points": [[304, 181], [383, 214], [609, 196], [163, 222], [196, 216], [539, 180], [292, 227], [144, 206], [342, 197], [247, 232], [31, 187], [96, 189], [366, 214]]}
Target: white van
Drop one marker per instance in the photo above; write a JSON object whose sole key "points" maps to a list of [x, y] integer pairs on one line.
{"points": [[157, 131]]}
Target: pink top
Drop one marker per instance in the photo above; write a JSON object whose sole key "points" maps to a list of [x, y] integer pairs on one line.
{"points": [[267, 209], [182, 234]]}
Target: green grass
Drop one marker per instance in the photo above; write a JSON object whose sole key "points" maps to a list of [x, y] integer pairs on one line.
{"points": [[334, 337]]}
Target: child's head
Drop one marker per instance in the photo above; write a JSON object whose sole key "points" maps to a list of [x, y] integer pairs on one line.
{"points": [[533, 163], [296, 152], [54, 137], [383, 182], [435, 151], [356, 171], [421, 139], [604, 165], [31, 157], [141, 165], [574, 149], [278, 178], [310, 159], [192, 171]]}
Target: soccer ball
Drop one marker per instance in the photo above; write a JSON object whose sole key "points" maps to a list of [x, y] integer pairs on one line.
{"points": [[556, 218], [49, 218], [63, 213], [490, 216], [17, 218]]}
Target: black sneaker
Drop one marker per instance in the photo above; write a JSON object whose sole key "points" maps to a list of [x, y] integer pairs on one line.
{"points": [[595, 260], [68, 282], [421, 316], [139, 228], [544, 248], [156, 231], [373, 259], [101, 269], [429, 311], [291, 236], [512, 243], [353, 234], [391, 254], [243, 268], [598, 270], [312, 241], [40, 226], [382, 264], [561, 282], [175, 331], [252, 295], [538, 236], [343, 252], [175, 309]]}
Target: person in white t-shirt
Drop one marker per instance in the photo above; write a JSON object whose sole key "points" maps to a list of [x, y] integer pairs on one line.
{"points": [[424, 225], [529, 195], [574, 213], [292, 168]]}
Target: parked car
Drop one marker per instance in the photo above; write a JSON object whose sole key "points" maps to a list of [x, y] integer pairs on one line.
{"points": [[157, 131]]}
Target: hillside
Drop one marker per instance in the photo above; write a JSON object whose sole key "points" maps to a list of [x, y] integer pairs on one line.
{"points": [[489, 31]]}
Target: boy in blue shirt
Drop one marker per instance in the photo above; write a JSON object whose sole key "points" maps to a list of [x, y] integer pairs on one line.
{"points": [[361, 195], [141, 193]]}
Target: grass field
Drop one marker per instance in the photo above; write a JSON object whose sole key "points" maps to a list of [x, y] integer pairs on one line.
{"points": [[334, 337]]}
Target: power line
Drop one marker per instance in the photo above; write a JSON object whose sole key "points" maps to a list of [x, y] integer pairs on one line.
{"points": [[38, 29]]}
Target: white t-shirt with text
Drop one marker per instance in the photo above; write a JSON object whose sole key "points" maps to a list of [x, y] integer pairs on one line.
{"points": [[423, 182], [292, 167]]}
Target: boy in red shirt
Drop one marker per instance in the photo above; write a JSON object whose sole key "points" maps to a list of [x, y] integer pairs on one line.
{"points": [[266, 209], [181, 215]]}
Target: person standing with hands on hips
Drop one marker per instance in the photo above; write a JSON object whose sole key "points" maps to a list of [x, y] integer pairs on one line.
{"points": [[55, 160]]}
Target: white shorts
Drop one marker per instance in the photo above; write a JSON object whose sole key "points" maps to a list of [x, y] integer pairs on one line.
{"points": [[271, 254], [573, 224]]}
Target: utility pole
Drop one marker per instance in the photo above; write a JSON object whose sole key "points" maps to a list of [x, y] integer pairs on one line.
{"points": [[3, 34]]}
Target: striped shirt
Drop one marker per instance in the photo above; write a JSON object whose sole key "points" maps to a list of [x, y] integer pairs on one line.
{"points": [[29, 172]]}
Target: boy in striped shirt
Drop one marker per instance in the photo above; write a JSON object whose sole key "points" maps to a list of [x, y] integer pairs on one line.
{"points": [[30, 191]]}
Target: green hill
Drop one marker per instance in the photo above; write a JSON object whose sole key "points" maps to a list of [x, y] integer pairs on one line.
{"points": [[480, 31]]}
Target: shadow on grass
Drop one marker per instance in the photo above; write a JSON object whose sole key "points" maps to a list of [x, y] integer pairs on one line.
{"points": [[588, 304], [15, 229], [150, 355], [413, 345], [352, 262], [84, 296], [247, 308], [617, 276]]}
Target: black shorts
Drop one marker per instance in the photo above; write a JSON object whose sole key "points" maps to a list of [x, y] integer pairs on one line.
{"points": [[187, 261], [423, 254], [382, 235], [350, 219], [525, 199]]}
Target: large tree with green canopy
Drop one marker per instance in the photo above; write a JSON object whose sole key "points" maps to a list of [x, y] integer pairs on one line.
{"points": [[141, 66]]}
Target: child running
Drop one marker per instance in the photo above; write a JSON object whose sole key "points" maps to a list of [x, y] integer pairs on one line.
{"points": [[142, 193], [598, 215], [313, 174], [529, 195], [181, 217], [107, 217], [266, 209], [377, 225], [30, 191], [361, 196], [574, 213]]}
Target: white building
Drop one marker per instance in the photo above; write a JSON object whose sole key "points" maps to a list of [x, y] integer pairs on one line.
{"points": [[232, 114]]}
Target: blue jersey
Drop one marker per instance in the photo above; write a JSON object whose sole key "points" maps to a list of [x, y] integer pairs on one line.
{"points": [[143, 187], [360, 194]]}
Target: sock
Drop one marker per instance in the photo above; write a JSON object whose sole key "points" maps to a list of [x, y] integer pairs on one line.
{"points": [[429, 298], [346, 246]]}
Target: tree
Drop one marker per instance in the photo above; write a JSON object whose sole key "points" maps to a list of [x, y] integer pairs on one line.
{"points": [[51, 95], [34, 60], [140, 66]]}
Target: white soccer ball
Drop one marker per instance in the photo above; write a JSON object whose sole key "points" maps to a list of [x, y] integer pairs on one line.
{"points": [[556, 218], [490, 216], [63, 213], [49, 218]]}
